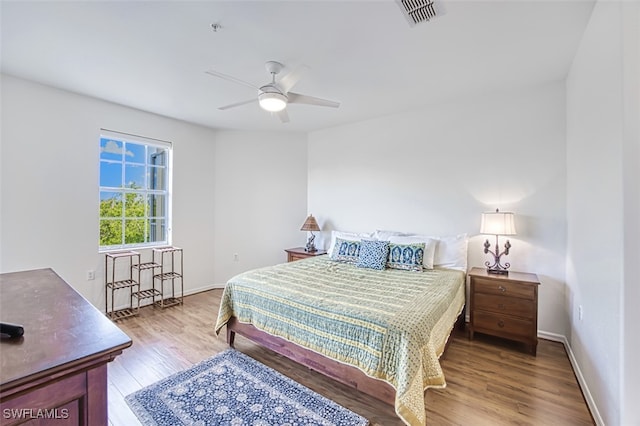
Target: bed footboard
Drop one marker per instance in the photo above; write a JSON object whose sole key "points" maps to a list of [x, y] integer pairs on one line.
{"points": [[343, 373]]}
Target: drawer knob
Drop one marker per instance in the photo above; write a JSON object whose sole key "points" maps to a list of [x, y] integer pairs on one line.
{"points": [[502, 288], [500, 323]]}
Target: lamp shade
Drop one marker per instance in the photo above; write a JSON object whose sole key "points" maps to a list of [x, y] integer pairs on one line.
{"points": [[498, 223], [310, 224]]}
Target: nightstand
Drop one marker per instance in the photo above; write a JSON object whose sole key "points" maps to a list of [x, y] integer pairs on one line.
{"points": [[505, 306], [298, 253]]}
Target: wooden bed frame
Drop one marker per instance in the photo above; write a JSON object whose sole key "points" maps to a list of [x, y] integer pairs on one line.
{"points": [[343, 373]]}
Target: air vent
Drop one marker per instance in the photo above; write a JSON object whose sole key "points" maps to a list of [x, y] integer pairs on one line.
{"points": [[420, 10]]}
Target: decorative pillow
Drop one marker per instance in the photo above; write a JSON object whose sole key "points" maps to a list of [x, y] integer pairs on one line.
{"points": [[429, 246], [373, 254], [406, 256], [345, 251], [347, 236]]}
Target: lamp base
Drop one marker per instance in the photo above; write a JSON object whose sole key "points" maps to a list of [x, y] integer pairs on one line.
{"points": [[311, 247], [496, 267]]}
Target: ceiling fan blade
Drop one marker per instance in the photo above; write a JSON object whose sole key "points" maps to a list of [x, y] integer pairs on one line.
{"points": [[237, 104], [289, 80], [296, 98], [230, 78], [283, 115]]}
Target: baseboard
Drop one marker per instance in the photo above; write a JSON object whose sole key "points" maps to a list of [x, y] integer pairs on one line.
{"points": [[576, 370], [189, 292], [203, 288]]}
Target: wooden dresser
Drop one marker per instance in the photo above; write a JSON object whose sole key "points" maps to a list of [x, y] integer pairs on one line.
{"points": [[298, 253], [505, 306], [56, 373]]}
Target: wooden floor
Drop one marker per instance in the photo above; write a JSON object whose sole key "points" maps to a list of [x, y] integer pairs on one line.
{"points": [[489, 381]]}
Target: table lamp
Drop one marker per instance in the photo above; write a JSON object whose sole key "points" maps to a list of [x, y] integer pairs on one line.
{"points": [[497, 223], [310, 225]]}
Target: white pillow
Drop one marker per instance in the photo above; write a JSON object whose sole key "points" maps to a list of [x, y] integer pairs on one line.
{"points": [[451, 252], [349, 236], [429, 246], [385, 235]]}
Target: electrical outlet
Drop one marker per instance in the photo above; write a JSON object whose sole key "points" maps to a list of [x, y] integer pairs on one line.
{"points": [[91, 275], [580, 312], [236, 258]]}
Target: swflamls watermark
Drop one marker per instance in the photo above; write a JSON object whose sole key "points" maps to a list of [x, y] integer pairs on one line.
{"points": [[35, 413]]}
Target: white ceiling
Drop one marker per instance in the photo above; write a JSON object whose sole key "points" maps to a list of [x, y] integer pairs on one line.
{"points": [[153, 55]]}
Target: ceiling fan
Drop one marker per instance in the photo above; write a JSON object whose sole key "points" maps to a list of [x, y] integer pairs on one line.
{"points": [[275, 96]]}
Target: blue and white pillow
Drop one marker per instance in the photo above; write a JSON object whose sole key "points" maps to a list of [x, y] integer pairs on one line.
{"points": [[373, 254], [345, 251], [408, 257]]}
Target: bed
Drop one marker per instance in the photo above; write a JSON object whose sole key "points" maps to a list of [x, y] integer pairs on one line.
{"points": [[381, 331]]}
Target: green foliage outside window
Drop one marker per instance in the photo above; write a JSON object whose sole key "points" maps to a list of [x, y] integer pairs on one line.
{"points": [[111, 229]]}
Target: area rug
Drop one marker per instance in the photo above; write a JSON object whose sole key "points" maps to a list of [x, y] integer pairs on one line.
{"points": [[232, 388]]}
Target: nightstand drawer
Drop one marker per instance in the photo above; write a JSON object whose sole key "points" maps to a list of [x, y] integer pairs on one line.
{"points": [[502, 324], [295, 256], [515, 306], [504, 288]]}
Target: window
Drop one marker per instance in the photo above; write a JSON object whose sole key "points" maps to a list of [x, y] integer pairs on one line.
{"points": [[135, 197]]}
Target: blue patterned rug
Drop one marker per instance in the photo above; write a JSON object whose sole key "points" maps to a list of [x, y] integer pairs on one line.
{"points": [[232, 388]]}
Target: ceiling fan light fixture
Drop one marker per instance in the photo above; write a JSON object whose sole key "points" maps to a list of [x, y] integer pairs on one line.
{"points": [[272, 101]]}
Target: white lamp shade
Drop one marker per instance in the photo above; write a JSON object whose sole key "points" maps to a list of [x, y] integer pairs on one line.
{"points": [[273, 102], [498, 223]]}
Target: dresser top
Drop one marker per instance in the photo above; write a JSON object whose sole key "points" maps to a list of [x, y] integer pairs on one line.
{"points": [[61, 328]]}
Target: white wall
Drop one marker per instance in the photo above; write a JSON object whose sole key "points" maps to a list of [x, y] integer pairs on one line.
{"points": [[630, 376], [233, 192], [436, 170], [260, 199], [603, 163], [49, 183]]}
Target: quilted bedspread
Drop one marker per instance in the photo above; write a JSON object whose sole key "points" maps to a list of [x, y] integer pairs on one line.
{"points": [[391, 324]]}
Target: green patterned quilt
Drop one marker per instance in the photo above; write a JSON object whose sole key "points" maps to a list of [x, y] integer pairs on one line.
{"points": [[391, 324]]}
